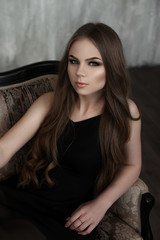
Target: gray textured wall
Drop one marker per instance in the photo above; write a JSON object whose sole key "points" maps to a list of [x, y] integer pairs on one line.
{"points": [[36, 30]]}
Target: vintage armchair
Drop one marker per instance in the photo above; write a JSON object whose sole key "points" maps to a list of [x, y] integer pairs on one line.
{"points": [[128, 218]]}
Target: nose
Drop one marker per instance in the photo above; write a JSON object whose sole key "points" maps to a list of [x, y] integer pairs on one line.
{"points": [[80, 70]]}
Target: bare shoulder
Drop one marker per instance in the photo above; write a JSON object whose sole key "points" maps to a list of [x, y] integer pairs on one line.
{"points": [[46, 98], [133, 108], [44, 101], [40, 107]]}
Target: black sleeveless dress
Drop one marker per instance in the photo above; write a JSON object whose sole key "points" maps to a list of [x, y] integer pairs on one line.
{"points": [[41, 214]]}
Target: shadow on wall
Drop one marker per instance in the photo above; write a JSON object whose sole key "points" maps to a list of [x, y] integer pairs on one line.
{"points": [[145, 92]]}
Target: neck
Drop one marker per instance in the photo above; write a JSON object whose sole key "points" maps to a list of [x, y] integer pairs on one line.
{"points": [[88, 106]]}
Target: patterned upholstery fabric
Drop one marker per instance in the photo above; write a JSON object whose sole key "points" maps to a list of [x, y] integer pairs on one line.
{"points": [[122, 221], [114, 228], [14, 102]]}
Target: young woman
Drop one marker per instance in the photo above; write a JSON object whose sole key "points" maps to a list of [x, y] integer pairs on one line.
{"points": [[86, 151]]}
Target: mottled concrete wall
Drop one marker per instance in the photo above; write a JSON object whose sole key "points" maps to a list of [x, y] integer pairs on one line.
{"points": [[36, 30]]}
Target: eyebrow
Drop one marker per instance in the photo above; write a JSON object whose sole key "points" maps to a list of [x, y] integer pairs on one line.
{"points": [[91, 58]]}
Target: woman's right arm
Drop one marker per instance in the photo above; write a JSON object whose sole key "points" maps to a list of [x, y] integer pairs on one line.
{"points": [[25, 128]]}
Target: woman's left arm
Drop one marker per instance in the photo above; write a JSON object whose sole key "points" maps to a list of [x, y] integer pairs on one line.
{"points": [[88, 215], [130, 171]]}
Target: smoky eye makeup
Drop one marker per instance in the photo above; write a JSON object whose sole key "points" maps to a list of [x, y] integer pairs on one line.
{"points": [[72, 61], [94, 63]]}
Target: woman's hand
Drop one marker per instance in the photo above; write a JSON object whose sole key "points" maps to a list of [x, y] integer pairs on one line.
{"points": [[86, 217]]}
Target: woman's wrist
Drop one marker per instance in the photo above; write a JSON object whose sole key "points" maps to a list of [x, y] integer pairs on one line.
{"points": [[104, 201]]}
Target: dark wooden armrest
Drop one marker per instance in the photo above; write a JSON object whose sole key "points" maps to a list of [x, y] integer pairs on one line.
{"points": [[147, 203]]}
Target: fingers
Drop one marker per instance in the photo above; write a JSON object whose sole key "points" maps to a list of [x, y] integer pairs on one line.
{"points": [[87, 230], [83, 226], [80, 225], [75, 215], [74, 223], [84, 219]]}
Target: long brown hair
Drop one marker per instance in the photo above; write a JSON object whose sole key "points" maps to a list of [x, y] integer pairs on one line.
{"points": [[114, 129]]}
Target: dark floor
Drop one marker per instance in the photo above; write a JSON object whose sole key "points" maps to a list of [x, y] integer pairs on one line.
{"points": [[145, 85]]}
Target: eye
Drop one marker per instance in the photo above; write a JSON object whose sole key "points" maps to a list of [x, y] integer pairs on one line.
{"points": [[72, 61], [94, 63]]}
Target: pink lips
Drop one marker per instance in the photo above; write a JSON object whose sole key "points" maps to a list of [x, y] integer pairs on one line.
{"points": [[81, 84]]}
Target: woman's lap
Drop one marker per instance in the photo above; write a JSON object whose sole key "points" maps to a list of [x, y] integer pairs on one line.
{"points": [[18, 229], [12, 226]]}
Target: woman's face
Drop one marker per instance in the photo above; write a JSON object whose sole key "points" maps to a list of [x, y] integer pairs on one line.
{"points": [[85, 68]]}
